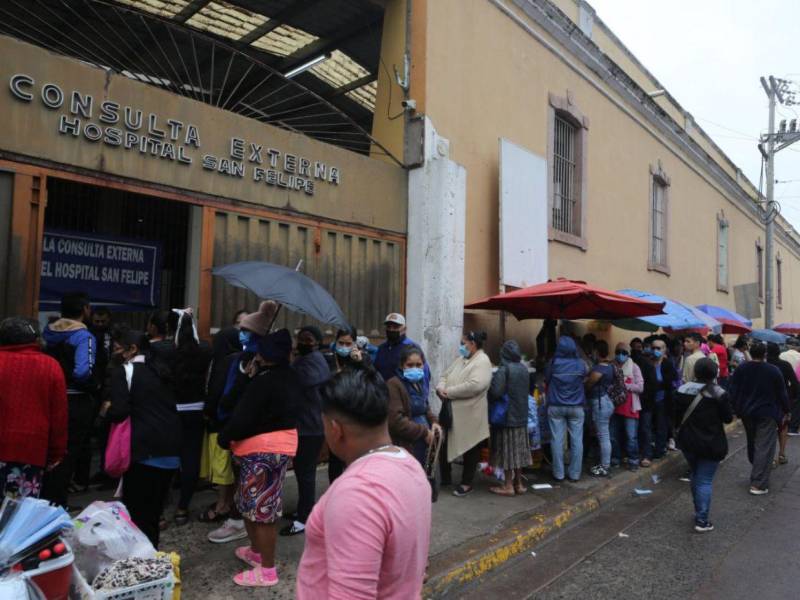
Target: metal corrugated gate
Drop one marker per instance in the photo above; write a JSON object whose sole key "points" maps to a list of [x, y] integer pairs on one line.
{"points": [[365, 274]]}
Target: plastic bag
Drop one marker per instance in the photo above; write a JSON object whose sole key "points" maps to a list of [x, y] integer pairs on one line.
{"points": [[534, 433], [104, 533]]}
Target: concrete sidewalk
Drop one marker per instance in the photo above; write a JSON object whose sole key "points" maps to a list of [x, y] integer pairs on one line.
{"points": [[470, 536]]}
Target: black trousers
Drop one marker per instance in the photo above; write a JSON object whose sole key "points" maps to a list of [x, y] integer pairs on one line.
{"points": [[470, 458], [144, 492], [305, 471], [80, 411], [193, 429]]}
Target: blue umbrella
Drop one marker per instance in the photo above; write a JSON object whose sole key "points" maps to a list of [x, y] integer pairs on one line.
{"points": [[768, 335], [287, 286], [710, 322], [676, 315], [722, 314]]}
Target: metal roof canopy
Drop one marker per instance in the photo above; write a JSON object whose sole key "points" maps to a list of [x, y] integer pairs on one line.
{"points": [[232, 54]]}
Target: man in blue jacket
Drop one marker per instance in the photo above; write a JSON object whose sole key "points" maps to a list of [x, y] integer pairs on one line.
{"points": [[69, 341], [387, 361]]}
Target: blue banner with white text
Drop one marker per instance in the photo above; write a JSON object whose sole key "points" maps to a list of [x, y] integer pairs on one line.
{"points": [[120, 273]]}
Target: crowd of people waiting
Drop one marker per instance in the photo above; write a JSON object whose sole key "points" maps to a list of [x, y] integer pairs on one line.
{"points": [[237, 412]]}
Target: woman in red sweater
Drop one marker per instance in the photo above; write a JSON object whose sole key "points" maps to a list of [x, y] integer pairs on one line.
{"points": [[33, 410]]}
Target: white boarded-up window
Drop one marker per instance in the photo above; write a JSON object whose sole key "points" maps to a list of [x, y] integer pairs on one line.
{"points": [[658, 258], [523, 216]]}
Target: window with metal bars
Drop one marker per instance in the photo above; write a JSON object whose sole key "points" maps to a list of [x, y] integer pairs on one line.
{"points": [[658, 214], [565, 215]]}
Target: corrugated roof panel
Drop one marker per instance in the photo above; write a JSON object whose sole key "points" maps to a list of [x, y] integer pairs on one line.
{"points": [[162, 8], [284, 40], [339, 69], [226, 20], [365, 95]]}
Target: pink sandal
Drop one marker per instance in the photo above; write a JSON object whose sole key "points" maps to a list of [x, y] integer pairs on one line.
{"points": [[248, 556], [257, 577]]}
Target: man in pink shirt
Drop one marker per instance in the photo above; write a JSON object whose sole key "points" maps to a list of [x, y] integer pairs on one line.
{"points": [[368, 535]]}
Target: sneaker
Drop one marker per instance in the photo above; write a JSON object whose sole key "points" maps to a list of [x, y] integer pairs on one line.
{"points": [[599, 471], [671, 445], [703, 527], [757, 491], [231, 530], [646, 462], [686, 477], [794, 433], [294, 528]]}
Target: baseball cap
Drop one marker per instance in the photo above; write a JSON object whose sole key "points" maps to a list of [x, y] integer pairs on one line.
{"points": [[395, 318]]}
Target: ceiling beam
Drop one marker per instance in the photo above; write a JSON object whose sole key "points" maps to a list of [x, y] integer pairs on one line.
{"points": [[282, 17], [325, 45], [188, 11], [353, 85]]}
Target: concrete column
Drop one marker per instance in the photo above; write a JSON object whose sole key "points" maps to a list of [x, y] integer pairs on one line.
{"points": [[437, 194], [194, 244]]}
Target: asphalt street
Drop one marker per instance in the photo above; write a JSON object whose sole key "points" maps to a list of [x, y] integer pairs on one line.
{"points": [[645, 547]]}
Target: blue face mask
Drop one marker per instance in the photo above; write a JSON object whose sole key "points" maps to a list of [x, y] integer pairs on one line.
{"points": [[414, 374], [343, 351], [657, 353], [244, 338], [463, 351], [621, 358]]}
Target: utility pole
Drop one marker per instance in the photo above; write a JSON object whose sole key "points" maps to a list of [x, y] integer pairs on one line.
{"points": [[777, 91], [772, 92]]}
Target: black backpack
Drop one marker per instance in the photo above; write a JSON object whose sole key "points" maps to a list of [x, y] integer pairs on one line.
{"points": [[64, 354]]}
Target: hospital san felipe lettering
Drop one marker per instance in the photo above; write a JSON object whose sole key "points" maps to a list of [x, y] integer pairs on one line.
{"points": [[170, 139]]}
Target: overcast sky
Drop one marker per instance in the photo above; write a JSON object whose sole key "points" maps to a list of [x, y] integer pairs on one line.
{"points": [[710, 54]]}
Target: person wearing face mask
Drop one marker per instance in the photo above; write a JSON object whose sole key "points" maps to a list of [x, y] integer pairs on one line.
{"points": [[388, 356], [346, 357], [410, 416], [241, 367], [642, 353], [665, 375], [625, 422], [142, 389], [465, 385], [313, 372]]}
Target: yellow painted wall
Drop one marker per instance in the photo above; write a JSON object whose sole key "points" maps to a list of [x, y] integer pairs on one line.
{"points": [[487, 78]]}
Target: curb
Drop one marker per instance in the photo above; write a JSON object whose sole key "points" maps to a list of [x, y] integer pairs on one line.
{"points": [[473, 559], [480, 556]]}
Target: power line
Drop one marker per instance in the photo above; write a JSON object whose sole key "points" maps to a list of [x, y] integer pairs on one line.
{"points": [[748, 135]]}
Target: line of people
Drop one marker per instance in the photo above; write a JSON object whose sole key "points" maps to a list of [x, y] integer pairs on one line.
{"points": [[237, 413]]}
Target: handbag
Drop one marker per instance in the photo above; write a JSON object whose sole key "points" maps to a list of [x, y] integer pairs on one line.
{"points": [[617, 391], [118, 448], [446, 415], [498, 411]]}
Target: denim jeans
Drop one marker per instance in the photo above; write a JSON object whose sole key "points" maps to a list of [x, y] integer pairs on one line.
{"points": [[562, 418], [627, 428], [602, 410], [702, 475]]}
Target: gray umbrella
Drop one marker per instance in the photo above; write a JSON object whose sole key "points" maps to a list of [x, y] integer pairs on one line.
{"points": [[289, 287]]}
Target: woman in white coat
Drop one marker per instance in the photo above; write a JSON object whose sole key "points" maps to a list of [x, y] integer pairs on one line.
{"points": [[464, 386]]}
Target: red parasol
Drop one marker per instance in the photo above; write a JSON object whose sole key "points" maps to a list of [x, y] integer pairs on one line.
{"points": [[788, 328], [567, 299]]}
